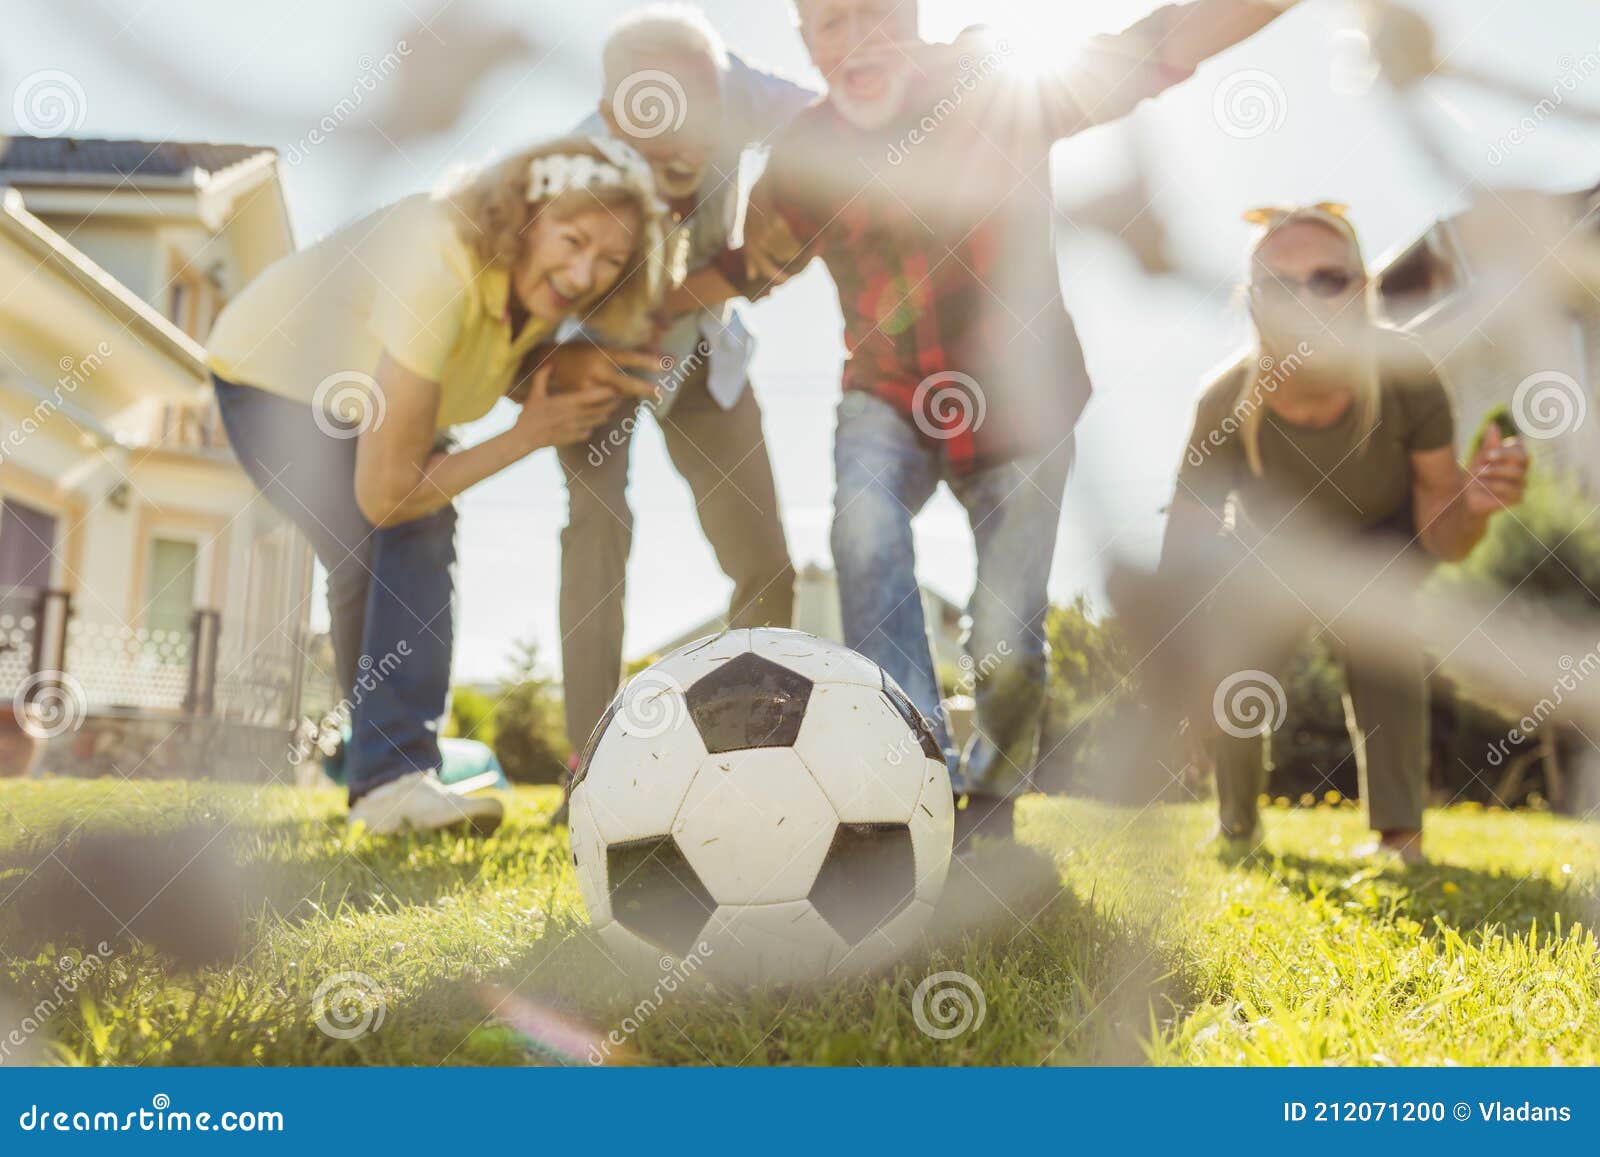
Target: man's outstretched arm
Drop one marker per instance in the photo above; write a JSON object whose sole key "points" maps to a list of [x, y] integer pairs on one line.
{"points": [[1107, 78]]}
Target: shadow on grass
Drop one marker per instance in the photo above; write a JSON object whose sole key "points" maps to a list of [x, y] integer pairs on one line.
{"points": [[1043, 978], [1430, 894]]}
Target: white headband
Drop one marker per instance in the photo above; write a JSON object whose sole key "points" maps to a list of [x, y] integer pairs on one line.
{"points": [[550, 176]]}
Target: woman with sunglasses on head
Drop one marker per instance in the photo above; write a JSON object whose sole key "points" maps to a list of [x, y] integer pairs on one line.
{"points": [[339, 371], [1335, 430]]}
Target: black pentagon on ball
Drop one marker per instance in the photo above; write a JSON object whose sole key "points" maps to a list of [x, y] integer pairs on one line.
{"points": [[749, 702], [915, 720], [867, 878], [656, 893]]}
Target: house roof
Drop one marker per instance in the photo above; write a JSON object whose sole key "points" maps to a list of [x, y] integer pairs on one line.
{"points": [[53, 250], [80, 160]]}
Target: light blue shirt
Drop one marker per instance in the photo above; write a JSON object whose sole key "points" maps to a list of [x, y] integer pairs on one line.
{"points": [[756, 105]]}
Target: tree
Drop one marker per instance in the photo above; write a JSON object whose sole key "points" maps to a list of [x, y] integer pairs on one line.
{"points": [[529, 732]]}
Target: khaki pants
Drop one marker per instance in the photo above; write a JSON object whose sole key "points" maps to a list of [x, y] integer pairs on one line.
{"points": [[1386, 713], [1255, 628], [723, 457]]}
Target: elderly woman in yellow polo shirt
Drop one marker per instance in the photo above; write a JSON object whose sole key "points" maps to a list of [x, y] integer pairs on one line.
{"points": [[339, 370]]}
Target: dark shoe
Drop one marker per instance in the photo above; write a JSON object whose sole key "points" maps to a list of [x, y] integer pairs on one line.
{"points": [[989, 817]]}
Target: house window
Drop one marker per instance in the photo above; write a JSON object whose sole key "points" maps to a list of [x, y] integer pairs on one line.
{"points": [[192, 299], [170, 584], [27, 546]]}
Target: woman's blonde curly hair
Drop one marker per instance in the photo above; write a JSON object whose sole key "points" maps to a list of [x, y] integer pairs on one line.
{"points": [[495, 214]]}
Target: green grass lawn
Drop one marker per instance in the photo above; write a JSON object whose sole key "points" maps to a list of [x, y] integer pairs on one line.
{"points": [[1112, 938]]}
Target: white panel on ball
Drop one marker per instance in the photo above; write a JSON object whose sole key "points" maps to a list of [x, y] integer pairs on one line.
{"points": [[817, 659], [638, 780], [694, 660], [589, 858], [755, 826], [933, 823], [770, 943], [867, 759]]}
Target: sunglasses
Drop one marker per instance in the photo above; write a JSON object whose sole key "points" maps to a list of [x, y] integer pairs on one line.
{"points": [[1329, 281]]}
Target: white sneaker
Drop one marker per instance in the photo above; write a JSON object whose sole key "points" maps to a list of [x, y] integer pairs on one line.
{"points": [[421, 802]]}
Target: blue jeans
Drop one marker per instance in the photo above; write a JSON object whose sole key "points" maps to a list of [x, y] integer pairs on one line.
{"points": [[886, 474], [389, 590]]}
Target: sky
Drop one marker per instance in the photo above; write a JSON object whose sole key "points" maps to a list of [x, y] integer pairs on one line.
{"points": [[268, 73]]}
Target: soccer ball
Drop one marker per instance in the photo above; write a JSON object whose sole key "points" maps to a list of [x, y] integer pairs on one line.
{"points": [[766, 804]]}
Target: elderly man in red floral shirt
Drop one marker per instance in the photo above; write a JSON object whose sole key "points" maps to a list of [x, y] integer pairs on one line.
{"points": [[922, 180]]}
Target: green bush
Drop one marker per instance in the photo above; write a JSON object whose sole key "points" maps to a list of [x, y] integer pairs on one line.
{"points": [[529, 730], [471, 715]]}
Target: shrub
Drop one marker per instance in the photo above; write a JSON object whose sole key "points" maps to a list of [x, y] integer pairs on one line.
{"points": [[529, 730]]}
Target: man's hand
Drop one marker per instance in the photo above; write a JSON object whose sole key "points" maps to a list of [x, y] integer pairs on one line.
{"points": [[558, 419], [770, 247], [579, 366], [1498, 474]]}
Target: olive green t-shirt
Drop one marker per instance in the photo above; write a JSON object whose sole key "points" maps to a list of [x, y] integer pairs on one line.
{"points": [[1323, 477]]}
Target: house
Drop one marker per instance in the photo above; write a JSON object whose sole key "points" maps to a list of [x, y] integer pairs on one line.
{"points": [[150, 603], [1493, 294]]}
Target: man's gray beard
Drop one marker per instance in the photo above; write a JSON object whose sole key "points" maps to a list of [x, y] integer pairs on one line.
{"points": [[880, 113]]}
